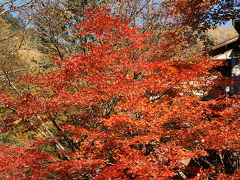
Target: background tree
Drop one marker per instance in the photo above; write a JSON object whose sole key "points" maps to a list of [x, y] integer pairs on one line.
{"points": [[24, 47], [171, 15], [221, 34], [54, 24], [18, 57]]}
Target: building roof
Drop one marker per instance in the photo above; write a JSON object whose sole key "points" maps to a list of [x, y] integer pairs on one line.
{"points": [[224, 43], [225, 46], [230, 44], [224, 56]]}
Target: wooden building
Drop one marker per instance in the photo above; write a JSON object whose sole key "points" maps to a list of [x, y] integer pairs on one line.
{"points": [[229, 51]]}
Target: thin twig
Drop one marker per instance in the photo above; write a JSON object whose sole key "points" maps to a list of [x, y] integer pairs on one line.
{"points": [[30, 68], [10, 83]]}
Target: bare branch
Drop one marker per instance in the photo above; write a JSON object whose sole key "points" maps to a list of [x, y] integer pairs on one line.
{"points": [[1, 40], [49, 136], [27, 69], [59, 145], [12, 7], [13, 51], [9, 82], [6, 3]]}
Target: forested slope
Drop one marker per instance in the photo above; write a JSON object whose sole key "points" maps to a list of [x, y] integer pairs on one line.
{"points": [[221, 34]]}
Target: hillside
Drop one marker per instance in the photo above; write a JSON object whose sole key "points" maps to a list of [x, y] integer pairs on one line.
{"points": [[221, 34]]}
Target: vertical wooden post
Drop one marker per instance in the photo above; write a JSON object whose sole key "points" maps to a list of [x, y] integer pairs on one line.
{"points": [[235, 89]]}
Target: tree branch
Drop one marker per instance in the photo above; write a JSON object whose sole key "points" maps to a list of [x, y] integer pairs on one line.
{"points": [[70, 142]]}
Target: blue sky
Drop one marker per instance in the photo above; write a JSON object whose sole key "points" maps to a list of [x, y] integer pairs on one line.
{"points": [[229, 23]]}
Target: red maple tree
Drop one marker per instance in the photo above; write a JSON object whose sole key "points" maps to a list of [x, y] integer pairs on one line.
{"points": [[124, 109]]}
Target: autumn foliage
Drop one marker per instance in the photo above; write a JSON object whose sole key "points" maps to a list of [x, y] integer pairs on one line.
{"points": [[124, 109]]}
